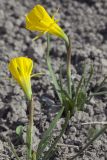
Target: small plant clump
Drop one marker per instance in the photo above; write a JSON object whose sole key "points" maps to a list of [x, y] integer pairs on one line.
{"points": [[72, 96]]}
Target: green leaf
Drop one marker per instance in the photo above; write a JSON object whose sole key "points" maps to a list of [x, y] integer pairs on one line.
{"points": [[81, 99], [101, 84], [36, 75], [13, 149], [48, 134], [53, 76], [92, 132], [90, 76], [19, 130], [98, 89], [33, 155], [99, 93], [67, 102], [80, 85], [48, 154]]}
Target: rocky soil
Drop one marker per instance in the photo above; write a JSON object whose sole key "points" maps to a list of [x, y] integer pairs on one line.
{"points": [[86, 22]]}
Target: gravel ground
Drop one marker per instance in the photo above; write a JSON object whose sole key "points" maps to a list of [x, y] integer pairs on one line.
{"points": [[86, 22]]}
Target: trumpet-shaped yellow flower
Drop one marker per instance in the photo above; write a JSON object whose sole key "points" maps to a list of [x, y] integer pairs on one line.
{"points": [[21, 68], [39, 20]]}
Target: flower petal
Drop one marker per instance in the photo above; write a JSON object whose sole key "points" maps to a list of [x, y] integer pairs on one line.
{"points": [[21, 68]]}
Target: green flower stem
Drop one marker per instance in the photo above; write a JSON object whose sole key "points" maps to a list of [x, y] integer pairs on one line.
{"points": [[68, 46], [30, 130]]}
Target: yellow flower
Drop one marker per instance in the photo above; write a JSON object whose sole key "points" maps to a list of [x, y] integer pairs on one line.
{"points": [[21, 68], [39, 20]]}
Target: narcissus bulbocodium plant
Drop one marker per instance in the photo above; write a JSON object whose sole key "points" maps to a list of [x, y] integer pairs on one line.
{"points": [[39, 20], [72, 97], [21, 70]]}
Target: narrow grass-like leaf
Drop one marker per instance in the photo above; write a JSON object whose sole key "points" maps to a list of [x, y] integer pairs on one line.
{"points": [[48, 60], [48, 134], [90, 76], [78, 89], [13, 149], [98, 89], [92, 132], [67, 102], [99, 93], [81, 99], [33, 155], [48, 153], [80, 83], [101, 84], [36, 75]]}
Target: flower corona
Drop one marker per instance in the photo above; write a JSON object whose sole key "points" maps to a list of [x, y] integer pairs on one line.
{"points": [[21, 68], [39, 20]]}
